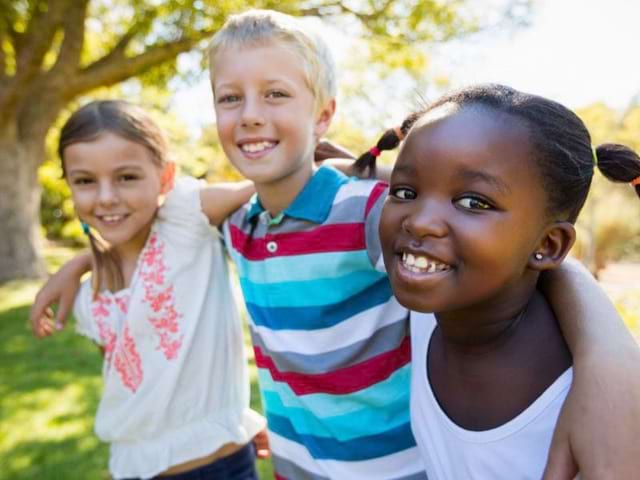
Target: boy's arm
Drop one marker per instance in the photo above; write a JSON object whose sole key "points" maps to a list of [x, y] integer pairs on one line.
{"points": [[60, 289], [222, 199], [599, 427]]}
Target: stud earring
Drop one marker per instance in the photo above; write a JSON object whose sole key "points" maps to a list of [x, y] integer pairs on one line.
{"points": [[538, 256]]}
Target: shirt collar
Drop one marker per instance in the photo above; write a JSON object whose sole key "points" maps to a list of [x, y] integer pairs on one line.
{"points": [[314, 201]]}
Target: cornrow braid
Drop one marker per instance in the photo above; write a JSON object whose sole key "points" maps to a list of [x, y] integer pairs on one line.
{"points": [[389, 140]]}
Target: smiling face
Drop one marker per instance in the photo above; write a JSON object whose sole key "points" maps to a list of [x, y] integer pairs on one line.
{"points": [[115, 184], [465, 212], [265, 112]]}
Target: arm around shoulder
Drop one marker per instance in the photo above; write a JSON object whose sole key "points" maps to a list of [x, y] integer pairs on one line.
{"points": [[222, 199], [599, 426]]}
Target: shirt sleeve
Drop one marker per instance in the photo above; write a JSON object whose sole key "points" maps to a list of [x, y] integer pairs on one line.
{"points": [[181, 214], [373, 210], [85, 324]]}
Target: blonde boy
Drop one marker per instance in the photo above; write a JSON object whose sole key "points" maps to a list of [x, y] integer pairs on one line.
{"points": [[331, 343]]}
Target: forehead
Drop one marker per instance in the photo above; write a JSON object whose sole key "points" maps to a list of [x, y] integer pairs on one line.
{"points": [[468, 138], [107, 151], [274, 60]]}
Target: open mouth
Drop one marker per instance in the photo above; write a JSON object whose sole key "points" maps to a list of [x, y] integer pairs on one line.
{"points": [[112, 219], [422, 264], [257, 147]]}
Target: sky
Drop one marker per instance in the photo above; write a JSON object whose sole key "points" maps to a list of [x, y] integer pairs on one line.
{"points": [[575, 51]]}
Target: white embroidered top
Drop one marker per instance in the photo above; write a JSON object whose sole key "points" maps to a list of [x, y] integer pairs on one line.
{"points": [[175, 380]]}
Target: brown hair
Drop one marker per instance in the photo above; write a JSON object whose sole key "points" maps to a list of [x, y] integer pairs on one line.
{"points": [[125, 120]]}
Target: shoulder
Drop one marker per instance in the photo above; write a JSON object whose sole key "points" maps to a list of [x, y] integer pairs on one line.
{"points": [[360, 196]]}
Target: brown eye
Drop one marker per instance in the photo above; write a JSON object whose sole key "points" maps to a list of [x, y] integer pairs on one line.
{"points": [[403, 193], [473, 203]]}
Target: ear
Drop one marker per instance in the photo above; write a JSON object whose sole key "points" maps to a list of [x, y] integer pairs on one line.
{"points": [[323, 118], [555, 243], [167, 177]]}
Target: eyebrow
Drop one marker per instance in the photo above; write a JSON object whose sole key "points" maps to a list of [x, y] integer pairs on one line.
{"points": [[475, 175], [80, 171], [404, 169]]}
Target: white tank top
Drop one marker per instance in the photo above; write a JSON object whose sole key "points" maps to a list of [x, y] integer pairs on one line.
{"points": [[515, 450]]}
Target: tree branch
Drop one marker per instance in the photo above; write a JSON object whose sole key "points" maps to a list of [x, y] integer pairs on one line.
{"points": [[116, 67], [73, 42]]}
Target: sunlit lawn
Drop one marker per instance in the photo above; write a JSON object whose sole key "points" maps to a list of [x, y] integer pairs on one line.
{"points": [[49, 392]]}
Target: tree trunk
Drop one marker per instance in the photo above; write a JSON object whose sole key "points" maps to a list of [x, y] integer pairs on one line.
{"points": [[20, 205]]}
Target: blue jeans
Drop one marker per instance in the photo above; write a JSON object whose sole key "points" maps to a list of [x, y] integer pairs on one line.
{"points": [[240, 465]]}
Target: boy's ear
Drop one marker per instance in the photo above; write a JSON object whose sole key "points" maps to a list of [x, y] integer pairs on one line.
{"points": [[167, 177], [555, 243], [324, 117]]}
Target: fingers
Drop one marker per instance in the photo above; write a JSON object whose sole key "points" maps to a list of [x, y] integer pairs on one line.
{"points": [[43, 326], [261, 442]]}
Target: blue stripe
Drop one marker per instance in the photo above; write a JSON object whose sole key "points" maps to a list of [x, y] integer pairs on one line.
{"points": [[364, 448], [363, 422], [312, 318], [327, 405], [312, 293], [287, 268]]}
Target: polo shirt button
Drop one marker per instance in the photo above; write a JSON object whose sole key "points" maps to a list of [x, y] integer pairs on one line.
{"points": [[272, 247]]}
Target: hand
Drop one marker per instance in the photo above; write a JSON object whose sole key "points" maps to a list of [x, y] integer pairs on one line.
{"points": [[60, 289], [325, 150], [261, 441], [599, 427]]}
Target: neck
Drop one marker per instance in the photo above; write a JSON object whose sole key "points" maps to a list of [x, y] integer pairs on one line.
{"points": [[277, 195], [483, 327]]}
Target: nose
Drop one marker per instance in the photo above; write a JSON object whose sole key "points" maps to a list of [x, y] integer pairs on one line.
{"points": [[107, 193], [252, 113], [428, 219]]}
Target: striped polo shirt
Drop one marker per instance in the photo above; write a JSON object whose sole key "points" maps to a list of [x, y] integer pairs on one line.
{"points": [[331, 343]]}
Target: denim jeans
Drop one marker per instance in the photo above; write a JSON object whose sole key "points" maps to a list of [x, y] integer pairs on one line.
{"points": [[240, 465]]}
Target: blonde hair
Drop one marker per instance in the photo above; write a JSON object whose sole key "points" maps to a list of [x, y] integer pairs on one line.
{"points": [[260, 27]]}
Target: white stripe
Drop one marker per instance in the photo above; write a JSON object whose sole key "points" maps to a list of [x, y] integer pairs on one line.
{"points": [[396, 465], [358, 188], [312, 342]]}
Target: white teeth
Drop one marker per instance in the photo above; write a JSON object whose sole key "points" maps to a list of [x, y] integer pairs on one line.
{"points": [[256, 147], [112, 218], [422, 264]]}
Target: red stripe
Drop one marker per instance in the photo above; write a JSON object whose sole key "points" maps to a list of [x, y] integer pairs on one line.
{"points": [[280, 477], [374, 196], [340, 237], [342, 381]]}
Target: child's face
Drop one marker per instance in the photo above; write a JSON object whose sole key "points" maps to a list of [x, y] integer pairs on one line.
{"points": [[465, 212], [115, 185], [265, 112]]}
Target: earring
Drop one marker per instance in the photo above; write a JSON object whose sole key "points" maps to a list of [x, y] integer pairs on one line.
{"points": [[538, 256], [85, 228]]}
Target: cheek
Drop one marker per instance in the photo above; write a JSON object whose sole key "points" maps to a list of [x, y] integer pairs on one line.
{"points": [[82, 200], [390, 226]]}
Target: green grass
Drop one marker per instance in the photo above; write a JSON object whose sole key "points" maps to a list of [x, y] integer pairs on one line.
{"points": [[49, 393]]}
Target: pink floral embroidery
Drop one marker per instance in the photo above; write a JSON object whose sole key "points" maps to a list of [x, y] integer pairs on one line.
{"points": [[127, 362], [100, 312], [160, 298], [123, 303]]}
